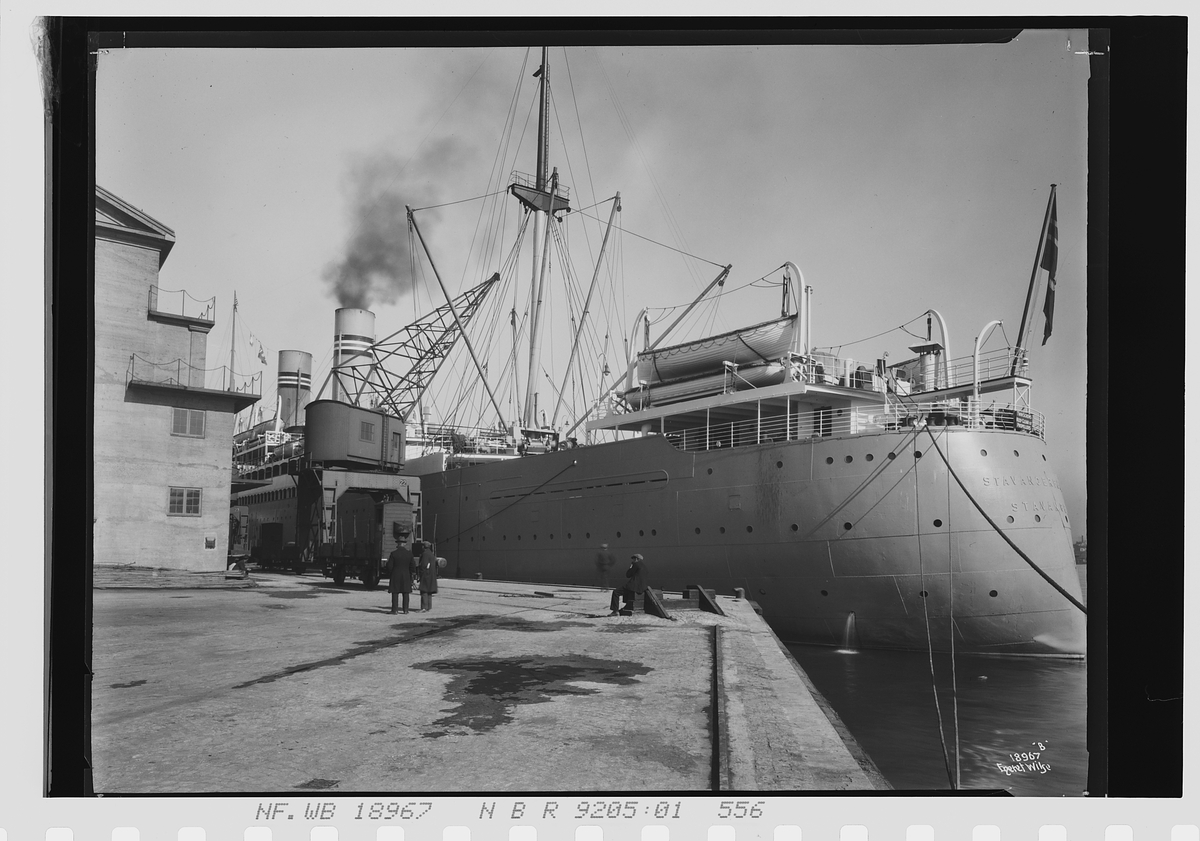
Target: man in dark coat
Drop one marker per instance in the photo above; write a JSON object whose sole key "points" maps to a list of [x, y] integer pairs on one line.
{"points": [[604, 562], [400, 573], [427, 576], [635, 586]]}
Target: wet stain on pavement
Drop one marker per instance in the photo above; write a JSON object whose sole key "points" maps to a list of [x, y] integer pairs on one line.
{"points": [[295, 594], [412, 629], [276, 606], [488, 689], [515, 623], [412, 632], [319, 783], [126, 685], [629, 628], [346, 705]]}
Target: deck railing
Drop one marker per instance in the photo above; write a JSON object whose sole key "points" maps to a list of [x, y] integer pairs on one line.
{"points": [[180, 374], [829, 369], [179, 302], [523, 179], [833, 423]]}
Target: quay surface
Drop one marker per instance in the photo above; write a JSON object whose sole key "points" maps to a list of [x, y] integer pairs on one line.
{"points": [[294, 684]]}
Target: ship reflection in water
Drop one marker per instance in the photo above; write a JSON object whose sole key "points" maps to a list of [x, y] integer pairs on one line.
{"points": [[1009, 709]]}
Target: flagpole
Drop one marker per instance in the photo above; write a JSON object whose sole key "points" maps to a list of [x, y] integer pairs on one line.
{"points": [[1031, 295], [232, 339]]}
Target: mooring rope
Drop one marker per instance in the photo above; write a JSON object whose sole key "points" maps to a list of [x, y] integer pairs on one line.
{"points": [[929, 636], [1000, 532]]}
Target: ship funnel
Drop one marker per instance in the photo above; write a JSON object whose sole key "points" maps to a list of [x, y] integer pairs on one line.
{"points": [[353, 333], [294, 380]]}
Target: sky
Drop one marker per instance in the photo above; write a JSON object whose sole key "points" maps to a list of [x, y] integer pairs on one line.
{"points": [[897, 178]]}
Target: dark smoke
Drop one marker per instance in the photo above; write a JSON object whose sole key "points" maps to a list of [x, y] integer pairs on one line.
{"points": [[376, 267]]}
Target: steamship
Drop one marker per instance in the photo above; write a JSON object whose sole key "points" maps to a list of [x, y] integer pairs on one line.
{"points": [[906, 505]]}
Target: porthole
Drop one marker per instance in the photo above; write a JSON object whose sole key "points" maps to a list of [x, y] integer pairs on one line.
{"points": [[1065, 520], [1037, 518], [483, 539], [993, 593], [518, 537], [870, 457], [824, 592], [535, 537], [641, 533], [795, 527], [761, 591], [551, 535], [849, 459], [917, 454], [891, 456], [710, 471], [587, 535], [697, 529], [504, 537], [1043, 456], [847, 526], [1010, 518], [618, 534], [829, 460], [653, 532], [568, 535], [983, 452], [937, 524], [472, 540], [722, 529], [1015, 453], [779, 464], [749, 529], [924, 594]]}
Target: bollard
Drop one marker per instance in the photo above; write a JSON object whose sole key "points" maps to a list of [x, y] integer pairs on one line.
{"points": [[739, 592]]}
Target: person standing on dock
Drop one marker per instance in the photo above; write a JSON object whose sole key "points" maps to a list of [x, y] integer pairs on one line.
{"points": [[401, 566], [426, 575], [635, 586], [604, 562]]}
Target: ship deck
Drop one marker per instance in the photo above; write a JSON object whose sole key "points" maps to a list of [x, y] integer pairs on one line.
{"points": [[502, 687]]}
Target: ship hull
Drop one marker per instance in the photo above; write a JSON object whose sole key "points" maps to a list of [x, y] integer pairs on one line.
{"points": [[869, 533]]}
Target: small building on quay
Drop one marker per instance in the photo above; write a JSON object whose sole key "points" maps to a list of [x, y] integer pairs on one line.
{"points": [[163, 418]]}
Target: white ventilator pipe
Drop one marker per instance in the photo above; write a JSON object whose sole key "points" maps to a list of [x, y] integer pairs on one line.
{"points": [[979, 340]]}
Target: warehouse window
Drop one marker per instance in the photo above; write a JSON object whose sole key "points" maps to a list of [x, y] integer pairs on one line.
{"points": [[366, 431], [187, 422], [184, 502]]}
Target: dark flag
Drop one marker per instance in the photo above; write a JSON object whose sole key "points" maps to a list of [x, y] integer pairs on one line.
{"points": [[1050, 264]]}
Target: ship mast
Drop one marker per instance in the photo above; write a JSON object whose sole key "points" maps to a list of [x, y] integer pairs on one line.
{"points": [[540, 221]]}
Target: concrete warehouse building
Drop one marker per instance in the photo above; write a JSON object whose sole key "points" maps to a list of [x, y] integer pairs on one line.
{"points": [[163, 419]]}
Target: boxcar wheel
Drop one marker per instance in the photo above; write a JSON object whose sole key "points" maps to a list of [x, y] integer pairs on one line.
{"points": [[370, 579], [339, 575]]}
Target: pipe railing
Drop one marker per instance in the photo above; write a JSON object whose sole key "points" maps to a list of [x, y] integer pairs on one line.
{"points": [[176, 302], [180, 374], [835, 423]]}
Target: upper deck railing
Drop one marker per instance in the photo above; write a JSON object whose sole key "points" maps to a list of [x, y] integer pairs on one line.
{"points": [[829, 369], [862, 420]]}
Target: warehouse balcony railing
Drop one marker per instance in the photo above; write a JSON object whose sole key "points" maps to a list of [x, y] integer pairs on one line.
{"points": [[179, 374], [179, 304]]}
